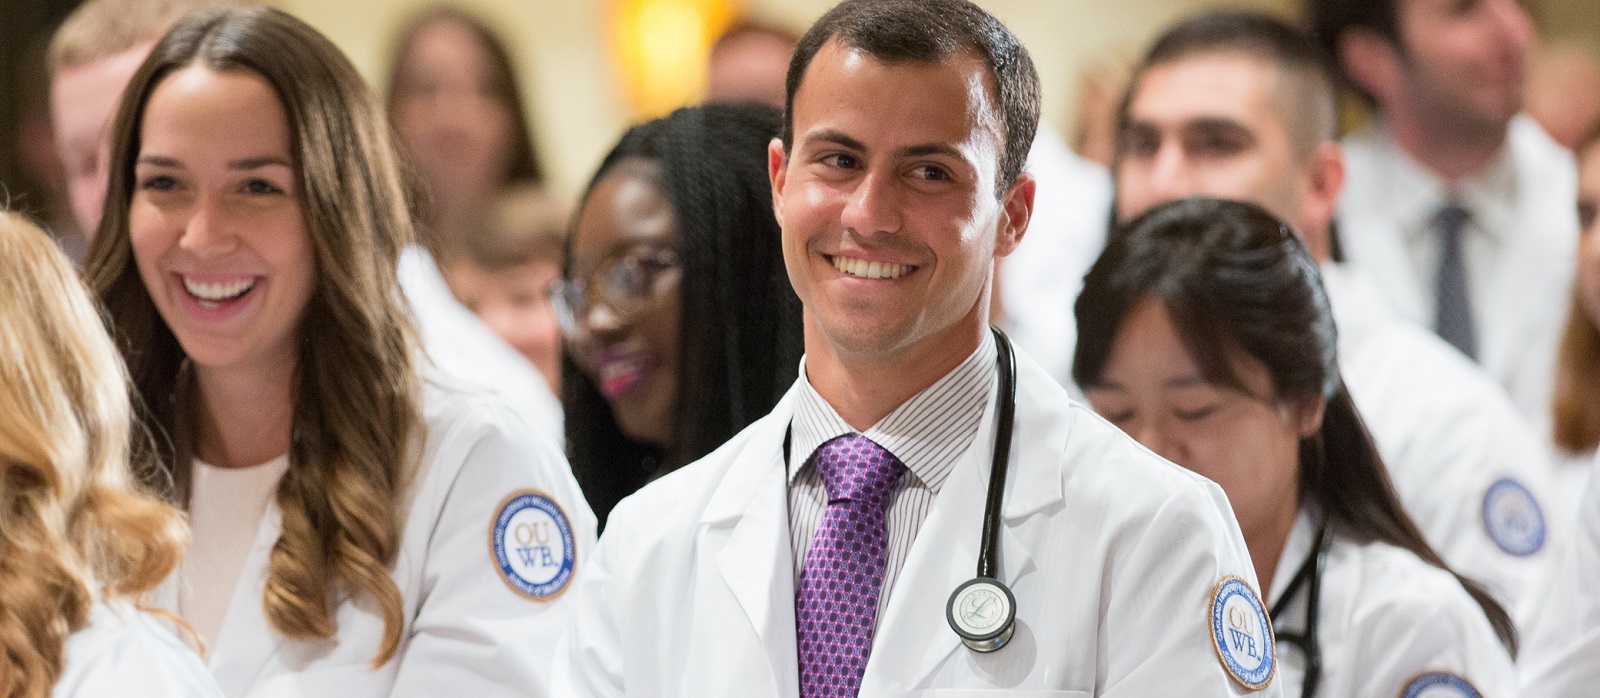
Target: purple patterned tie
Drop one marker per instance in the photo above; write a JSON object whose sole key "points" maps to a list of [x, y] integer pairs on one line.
{"points": [[836, 602]]}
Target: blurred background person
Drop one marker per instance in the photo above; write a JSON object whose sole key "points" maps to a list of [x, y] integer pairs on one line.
{"points": [[1564, 89], [1100, 91], [1204, 333], [509, 254], [1458, 206], [1240, 105], [1575, 410], [681, 325], [79, 542], [338, 492], [92, 57], [749, 63], [454, 102]]}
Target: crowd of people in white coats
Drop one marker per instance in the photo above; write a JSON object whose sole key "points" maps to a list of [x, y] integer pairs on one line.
{"points": [[853, 381]]}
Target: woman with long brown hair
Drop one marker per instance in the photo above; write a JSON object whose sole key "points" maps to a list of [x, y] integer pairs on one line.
{"points": [[1205, 333], [361, 529], [79, 541]]}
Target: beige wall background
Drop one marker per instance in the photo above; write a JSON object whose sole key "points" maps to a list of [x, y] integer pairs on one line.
{"points": [[570, 80]]}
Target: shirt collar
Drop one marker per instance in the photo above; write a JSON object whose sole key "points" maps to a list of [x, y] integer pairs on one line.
{"points": [[927, 432], [1416, 194]]}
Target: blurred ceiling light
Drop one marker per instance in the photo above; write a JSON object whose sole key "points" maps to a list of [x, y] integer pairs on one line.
{"points": [[662, 47]]}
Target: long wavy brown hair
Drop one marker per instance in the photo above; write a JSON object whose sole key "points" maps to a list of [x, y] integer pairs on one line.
{"points": [[72, 519], [356, 393]]}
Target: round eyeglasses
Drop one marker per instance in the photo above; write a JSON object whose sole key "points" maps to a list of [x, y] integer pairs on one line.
{"points": [[626, 285]]}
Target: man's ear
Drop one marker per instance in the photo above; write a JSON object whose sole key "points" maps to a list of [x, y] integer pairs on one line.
{"points": [[1319, 200], [1371, 60], [777, 172], [1016, 209]]}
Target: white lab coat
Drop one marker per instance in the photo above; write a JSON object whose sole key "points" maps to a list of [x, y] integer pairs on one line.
{"points": [[467, 632], [1387, 619], [1113, 555], [1040, 281], [1560, 655], [1520, 312], [1446, 431], [470, 355], [127, 652]]}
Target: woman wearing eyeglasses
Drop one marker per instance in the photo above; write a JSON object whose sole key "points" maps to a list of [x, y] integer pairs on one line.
{"points": [[678, 315], [1205, 333]]}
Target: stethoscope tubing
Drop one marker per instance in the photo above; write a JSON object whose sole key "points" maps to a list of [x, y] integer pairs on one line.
{"points": [[1309, 575]]}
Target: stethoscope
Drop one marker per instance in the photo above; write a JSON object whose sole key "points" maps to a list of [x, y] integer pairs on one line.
{"points": [[1309, 575], [982, 610]]}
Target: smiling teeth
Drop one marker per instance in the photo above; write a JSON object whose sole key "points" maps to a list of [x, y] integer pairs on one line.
{"points": [[218, 292], [871, 270]]}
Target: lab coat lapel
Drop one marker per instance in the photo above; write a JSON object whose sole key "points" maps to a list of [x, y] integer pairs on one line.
{"points": [[755, 562], [914, 639], [247, 640]]}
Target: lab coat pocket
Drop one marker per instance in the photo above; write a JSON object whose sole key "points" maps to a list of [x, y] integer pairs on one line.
{"points": [[996, 692]]}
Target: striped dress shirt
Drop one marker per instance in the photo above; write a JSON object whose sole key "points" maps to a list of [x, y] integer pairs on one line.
{"points": [[929, 433]]}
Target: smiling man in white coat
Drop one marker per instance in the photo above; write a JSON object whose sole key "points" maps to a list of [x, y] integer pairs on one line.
{"points": [[830, 549]]}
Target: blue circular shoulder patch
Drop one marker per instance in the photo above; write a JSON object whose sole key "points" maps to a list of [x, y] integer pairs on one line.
{"points": [[533, 545], [1439, 684], [1513, 518], [1242, 633]]}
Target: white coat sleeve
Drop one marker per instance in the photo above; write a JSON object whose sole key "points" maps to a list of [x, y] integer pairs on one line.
{"points": [[1560, 654], [589, 659], [1430, 639], [474, 635], [1156, 634], [135, 656]]}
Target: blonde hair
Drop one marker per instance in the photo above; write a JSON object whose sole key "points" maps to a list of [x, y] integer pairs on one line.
{"points": [[101, 28], [519, 225], [357, 413], [70, 515]]}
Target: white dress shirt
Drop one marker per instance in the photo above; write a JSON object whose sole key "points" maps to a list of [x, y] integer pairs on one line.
{"points": [[1519, 245], [928, 433]]}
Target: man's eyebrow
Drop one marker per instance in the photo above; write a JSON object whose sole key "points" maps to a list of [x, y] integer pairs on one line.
{"points": [[1216, 123], [922, 149], [835, 137]]}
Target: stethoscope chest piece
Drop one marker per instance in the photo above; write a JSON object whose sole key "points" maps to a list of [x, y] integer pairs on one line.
{"points": [[984, 613]]}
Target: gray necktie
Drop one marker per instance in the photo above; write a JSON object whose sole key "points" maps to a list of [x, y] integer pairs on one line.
{"points": [[1452, 318]]}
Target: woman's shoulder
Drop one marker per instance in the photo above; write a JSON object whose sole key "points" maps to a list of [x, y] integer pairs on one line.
{"points": [[1385, 581], [126, 651], [478, 451]]}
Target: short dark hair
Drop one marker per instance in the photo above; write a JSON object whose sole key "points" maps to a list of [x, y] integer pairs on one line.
{"points": [[1330, 19], [1315, 102], [931, 31]]}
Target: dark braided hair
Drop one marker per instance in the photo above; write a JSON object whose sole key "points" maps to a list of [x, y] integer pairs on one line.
{"points": [[739, 338], [1234, 278]]}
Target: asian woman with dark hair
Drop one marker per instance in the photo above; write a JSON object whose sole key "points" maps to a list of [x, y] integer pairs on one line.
{"points": [[1205, 333]]}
